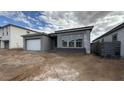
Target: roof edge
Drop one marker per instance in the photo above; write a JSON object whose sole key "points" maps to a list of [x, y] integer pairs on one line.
{"points": [[19, 27], [120, 26], [73, 29], [30, 35]]}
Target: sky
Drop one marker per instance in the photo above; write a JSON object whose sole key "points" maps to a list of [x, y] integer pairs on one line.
{"points": [[50, 21]]}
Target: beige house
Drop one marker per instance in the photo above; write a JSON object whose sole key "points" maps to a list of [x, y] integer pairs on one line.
{"points": [[10, 36]]}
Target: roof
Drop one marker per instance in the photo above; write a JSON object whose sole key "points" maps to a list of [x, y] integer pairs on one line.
{"points": [[61, 31], [75, 29], [30, 35], [19, 27], [111, 31]]}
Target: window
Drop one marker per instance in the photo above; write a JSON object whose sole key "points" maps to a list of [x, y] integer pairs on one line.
{"points": [[64, 43], [79, 43], [3, 33], [7, 33], [71, 43], [114, 37]]}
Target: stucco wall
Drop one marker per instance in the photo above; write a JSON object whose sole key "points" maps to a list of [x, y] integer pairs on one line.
{"points": [[0, 33], [5, 31], [6, 36], [121, 38], [16, 41], [85, 35], [46, 43], [87, 42]]}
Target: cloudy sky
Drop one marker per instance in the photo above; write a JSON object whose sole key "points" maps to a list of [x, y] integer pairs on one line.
{"points": [[49, 21]]}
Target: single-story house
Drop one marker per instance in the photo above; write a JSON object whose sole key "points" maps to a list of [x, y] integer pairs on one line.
{"points": [[111, 43], [74, 40]]}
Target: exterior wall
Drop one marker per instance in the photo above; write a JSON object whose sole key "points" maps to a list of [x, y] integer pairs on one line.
{"points": [[2, 44], [1, 32], [120, 38], [87, 42], [68, 37], [16, 41], [107, 38], [85, 35], [5, 35], [45, 42]]}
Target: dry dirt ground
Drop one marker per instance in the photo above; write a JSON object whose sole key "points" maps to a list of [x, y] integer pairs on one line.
{"points": [[23, 65]]}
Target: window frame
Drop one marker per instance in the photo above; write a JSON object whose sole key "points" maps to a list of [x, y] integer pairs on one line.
{"points": [[64, 45], [72, 43], [79, 44], [7, 33]]}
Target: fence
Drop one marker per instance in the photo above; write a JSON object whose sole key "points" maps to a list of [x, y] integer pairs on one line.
{"points": [[106, 49]]}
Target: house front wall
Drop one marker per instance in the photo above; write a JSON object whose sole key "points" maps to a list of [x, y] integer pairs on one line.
{"points": [[46, 43], [4, 36], [16, 41], [120, 37], [84, 35]]}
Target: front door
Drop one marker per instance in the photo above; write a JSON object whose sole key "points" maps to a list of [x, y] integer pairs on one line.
{"points": [[54, 42]]}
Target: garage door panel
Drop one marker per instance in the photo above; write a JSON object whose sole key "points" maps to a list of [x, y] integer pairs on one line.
{"points": [[34, 44]]}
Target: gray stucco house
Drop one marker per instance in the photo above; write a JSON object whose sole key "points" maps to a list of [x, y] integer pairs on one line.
{"points": [[74, 40], [112, 42]]}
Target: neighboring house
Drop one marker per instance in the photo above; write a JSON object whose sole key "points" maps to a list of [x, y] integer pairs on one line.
{"points": [[74, 40], [10, 36], [113, 41]]}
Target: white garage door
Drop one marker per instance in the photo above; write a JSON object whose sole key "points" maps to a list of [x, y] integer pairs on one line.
{"points": [[34, 44]]}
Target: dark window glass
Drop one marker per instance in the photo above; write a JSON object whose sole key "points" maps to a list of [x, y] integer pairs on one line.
{"points": [[79, 43], [71, 43], [7, 33], [64, 43]]}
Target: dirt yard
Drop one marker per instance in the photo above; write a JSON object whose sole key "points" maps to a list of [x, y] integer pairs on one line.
{"points": [[23, 65]]}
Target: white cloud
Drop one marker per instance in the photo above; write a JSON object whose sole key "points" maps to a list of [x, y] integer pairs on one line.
{"points": [[17, 16], [102, 21], [105, 24], [59, 20]]}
